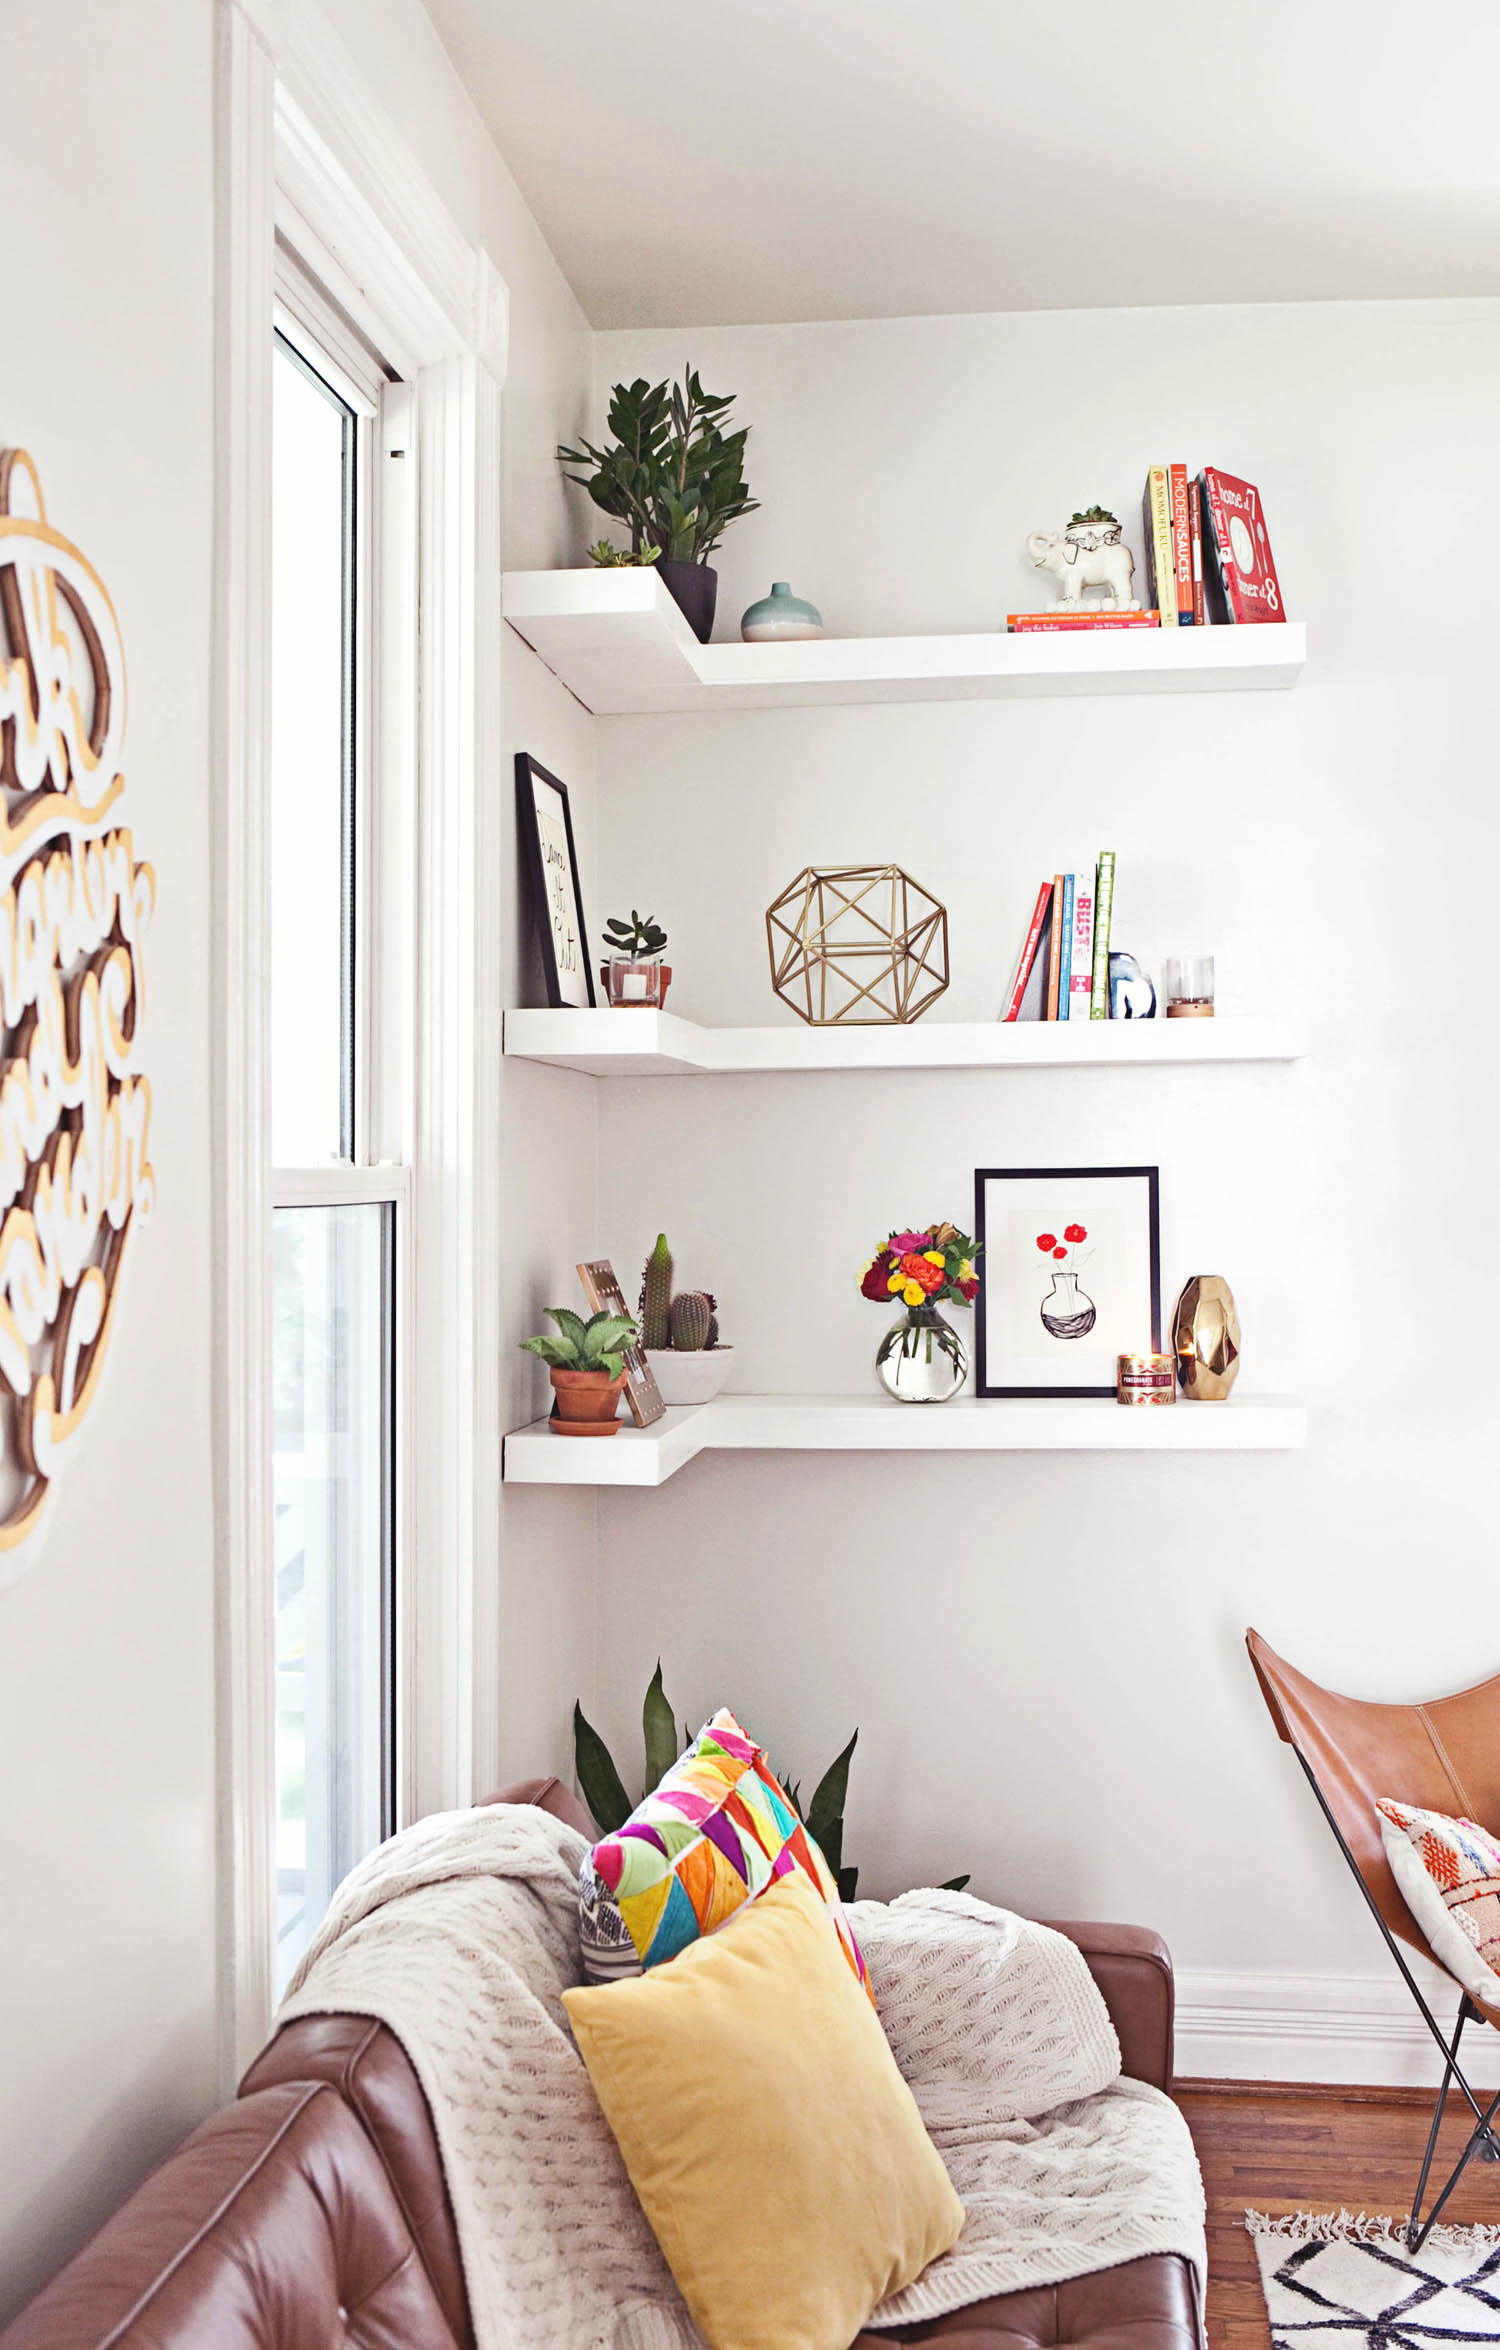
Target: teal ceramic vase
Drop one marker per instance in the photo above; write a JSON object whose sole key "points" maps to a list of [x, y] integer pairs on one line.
{"points": [[780, 619]]}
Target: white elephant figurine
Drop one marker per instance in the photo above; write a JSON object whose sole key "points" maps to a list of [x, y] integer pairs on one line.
{"points": [[1106, 562]]}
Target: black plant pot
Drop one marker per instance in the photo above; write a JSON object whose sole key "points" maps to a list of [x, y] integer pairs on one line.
{"points": [[694, 588]]}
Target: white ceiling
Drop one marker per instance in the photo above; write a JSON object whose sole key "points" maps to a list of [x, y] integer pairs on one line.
{"points": [[698, 162]]}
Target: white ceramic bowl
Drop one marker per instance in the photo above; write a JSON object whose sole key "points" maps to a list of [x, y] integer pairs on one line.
{"points": [[692, 1378]]}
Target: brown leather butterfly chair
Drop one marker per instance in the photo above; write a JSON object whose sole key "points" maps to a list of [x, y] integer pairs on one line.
{"points": [[1442, 1756]]}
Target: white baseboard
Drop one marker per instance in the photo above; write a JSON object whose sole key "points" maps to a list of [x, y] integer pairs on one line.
{"points": [[1337, 2028]]}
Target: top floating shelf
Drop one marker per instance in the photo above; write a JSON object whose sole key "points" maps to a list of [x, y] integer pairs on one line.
{"points": [[618, 642]]}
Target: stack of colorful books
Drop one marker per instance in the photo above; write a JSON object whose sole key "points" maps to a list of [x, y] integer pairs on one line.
{"points": [[1208, 560], [1063, 973]]}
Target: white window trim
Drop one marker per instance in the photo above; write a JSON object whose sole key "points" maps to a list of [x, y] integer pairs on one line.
{"points": [[304, 153]]}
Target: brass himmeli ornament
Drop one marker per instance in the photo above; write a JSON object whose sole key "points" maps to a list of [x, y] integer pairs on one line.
{"points": [[1206, 1339], [857, 946]]}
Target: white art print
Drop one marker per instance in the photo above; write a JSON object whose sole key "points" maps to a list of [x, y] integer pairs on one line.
{"points": [[1070, 1274], [547, 849]]}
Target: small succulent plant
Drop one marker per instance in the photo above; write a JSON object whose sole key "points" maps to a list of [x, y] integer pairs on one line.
{"points": [[608, 557], [1094, 514], [598, 1344], [635, 940]]}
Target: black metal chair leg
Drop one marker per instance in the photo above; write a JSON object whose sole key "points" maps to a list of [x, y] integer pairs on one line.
{"points": [[1413, 2241], [1480, 2137]]}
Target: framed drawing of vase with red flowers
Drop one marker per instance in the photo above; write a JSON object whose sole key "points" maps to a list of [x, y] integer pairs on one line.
{"points": [[1070, 1276]]}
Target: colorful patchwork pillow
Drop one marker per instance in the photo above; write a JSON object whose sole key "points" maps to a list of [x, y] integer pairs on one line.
{"points": [[1448, 1872], [715, 1833]]}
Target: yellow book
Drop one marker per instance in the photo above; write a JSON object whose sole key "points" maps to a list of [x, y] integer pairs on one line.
{"points": [[1156, 515]]}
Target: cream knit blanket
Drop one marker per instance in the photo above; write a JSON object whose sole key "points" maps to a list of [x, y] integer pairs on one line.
{"points": [[461, 1934]]}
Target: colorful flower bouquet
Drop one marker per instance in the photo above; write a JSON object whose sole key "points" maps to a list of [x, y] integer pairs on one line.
{"points": [[930, 1268], [921, 1358]]}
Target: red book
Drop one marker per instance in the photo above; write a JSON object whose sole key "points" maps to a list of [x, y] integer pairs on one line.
{"points": [[1239, 569], [1054, 967], [1182, 544], [1028, 951]]}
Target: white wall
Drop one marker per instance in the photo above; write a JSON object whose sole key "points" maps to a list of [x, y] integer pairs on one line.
{"points": [[106, 1647], [107, 1856], [1044, 1655]]}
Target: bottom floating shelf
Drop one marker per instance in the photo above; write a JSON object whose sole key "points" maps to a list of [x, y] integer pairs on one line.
{"points": [[870, 1423]]}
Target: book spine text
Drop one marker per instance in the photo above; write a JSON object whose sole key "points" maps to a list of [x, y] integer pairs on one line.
{"points": [[1104, 898]]}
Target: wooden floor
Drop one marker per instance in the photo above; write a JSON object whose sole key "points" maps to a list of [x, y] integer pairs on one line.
{"points": [[1265, 2148]]}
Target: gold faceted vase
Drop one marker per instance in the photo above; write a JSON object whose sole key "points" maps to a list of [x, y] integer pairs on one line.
{"points": [[1206, 1339]]}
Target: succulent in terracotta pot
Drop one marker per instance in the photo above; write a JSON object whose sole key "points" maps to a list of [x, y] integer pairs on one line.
{"points": [[586, 1362]]}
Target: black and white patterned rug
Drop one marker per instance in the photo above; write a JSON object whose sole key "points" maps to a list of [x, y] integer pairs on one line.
{"points": [[1337, 2281]]}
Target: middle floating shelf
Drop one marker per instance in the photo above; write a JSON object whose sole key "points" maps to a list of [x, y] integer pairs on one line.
{"points": [[871, 1423], [608, 1043]]}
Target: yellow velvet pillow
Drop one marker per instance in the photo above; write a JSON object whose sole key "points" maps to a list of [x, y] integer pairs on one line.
{"points": [[776, 2150]]}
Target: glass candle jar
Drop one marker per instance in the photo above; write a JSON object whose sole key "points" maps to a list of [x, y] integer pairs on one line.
{"points": [[1187, 982], [642, 983]]}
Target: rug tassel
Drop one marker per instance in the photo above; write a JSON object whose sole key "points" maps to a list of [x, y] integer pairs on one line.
{"points": [[1349, 2227]]}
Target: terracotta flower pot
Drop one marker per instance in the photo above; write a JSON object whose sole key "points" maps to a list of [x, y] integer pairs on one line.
{"points": [[586, 1403]]}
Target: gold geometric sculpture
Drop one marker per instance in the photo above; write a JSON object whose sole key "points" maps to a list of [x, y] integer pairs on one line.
{"points": [[1206, 1339], [857, 946]]}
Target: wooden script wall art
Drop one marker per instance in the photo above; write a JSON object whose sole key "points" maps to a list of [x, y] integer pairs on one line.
{"points": [[75, 1111]]}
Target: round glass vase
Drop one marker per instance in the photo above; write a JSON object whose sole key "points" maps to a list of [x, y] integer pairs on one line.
{"points": [[921, 1358]]}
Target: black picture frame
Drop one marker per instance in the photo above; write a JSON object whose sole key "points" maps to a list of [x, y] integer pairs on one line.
{"points": [[534, 866], [984, 1177]]}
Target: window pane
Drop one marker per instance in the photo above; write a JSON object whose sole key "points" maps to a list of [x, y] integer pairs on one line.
{"points": [[312, 700], [333, 1483]]}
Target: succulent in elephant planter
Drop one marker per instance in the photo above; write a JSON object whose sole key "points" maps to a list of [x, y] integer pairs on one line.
{"points": [[635, 973], [1090, 553], [586, 1362], [681, 1334]]}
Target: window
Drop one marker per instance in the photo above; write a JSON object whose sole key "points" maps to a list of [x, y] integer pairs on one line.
{"points": [[342, 616]]}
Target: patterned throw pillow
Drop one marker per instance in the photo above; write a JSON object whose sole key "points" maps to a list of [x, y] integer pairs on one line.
{"points": [[715, 1833], [1448, 1872]]}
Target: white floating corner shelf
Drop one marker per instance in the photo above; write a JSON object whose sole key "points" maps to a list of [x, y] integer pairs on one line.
{"points": [[871, 1423], [618, 641], [636, 1043]]}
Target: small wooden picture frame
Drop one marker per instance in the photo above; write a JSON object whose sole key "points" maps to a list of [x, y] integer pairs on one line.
{"points": [[550, 865], [605, 1296]]}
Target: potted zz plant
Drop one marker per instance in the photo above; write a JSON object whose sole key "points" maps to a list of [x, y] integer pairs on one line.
{"points": [[587, 1365], [635, 972], [676, 478]]}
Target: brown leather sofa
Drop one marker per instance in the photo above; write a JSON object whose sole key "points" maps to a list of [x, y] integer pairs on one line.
{"points": [[312, 2210]]}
